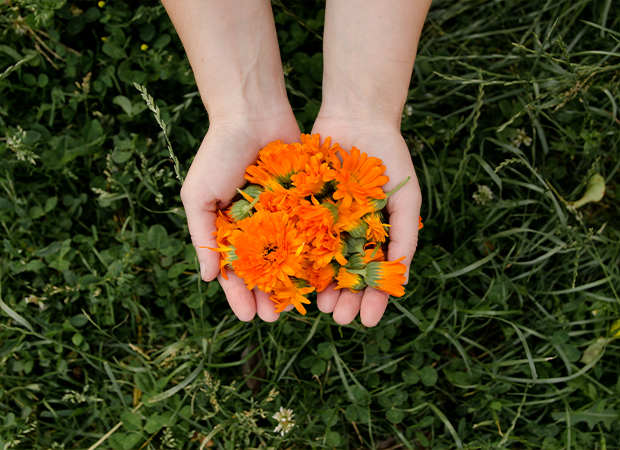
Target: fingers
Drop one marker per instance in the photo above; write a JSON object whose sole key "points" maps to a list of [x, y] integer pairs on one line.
{"points": [[264, 306], [404, 209], [326, 300], [348, 307], [240, 298], [373, 306]]}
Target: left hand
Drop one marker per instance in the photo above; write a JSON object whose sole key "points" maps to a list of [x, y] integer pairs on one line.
{"points": [[381, 139]]}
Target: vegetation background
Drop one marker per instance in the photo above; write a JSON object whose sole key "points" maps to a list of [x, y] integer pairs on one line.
{"points": [[504, 339]]}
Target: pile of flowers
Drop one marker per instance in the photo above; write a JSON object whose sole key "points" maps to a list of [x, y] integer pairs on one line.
{"points": [[312, 214]]}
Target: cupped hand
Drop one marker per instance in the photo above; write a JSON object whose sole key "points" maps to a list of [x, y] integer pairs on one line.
{"points": [[384, 141], [230, 146]]}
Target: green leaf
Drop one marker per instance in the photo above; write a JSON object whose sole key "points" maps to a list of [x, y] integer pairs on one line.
{"points": [[131, 421], [77, 339], [87, 280], [318, 367], [596, 414], [35, 212], [79, 320], [177, 269], [332, 438], [395, 415], [124, 103], [410, 377], [113, 50], [147, 32], [325, 350], [50, 204], [156, 236], [428, 376], [171, 247], [155, 423], [132, 440], [594, 192], [16, 317]]}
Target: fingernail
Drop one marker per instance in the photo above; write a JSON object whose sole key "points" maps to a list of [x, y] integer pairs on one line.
{"points": [[203, 270]]}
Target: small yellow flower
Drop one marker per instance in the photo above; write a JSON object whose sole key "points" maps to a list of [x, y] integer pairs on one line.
{"points": [[144, 47], [103, 38], [101, 4]]}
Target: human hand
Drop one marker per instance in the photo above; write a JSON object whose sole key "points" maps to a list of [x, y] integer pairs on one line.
{"points": [[381, 139], [230, 146]]}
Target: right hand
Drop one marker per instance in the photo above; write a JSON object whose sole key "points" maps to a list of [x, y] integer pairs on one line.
{"points": [[230, 146]]}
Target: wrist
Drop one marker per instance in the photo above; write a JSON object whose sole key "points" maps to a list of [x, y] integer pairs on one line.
{"points": [[363, 104]]}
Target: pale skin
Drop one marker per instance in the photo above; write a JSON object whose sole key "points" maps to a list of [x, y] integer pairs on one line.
{"points": [[369, 51]]}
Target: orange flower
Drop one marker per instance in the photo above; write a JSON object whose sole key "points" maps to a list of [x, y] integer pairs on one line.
{"points": [[358, 261], [224, 229], [321, 278], [325, 250], [310, 143], [316, 219], [349, 280], [295, 295], [268, 248], [350, 219], [278, 199], [420, 224], [387, 276], [358, 177], [376, 228], [277, 162], [311, 180]]}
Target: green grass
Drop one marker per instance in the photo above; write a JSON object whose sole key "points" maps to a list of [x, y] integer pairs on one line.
{"points": [[104, 320]]}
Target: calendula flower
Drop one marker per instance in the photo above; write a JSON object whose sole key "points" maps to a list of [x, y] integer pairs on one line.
{"points": [[316, 219], [375, 230], [358, 261], [268, 248], [358, 177], [276, 164], [278, 198], [311, 180], [321, 278], [285, 421], [387, 276], [311, 145], [294, 294], [327, 249], [350, 280]]}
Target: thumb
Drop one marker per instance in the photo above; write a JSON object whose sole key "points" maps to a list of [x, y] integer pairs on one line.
{"points": [[200, 208]]}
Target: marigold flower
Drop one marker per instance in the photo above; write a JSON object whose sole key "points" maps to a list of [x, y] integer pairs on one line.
{"points": [[278, 198], [359, 261], [294, 294], [316, 219], [276, 164], [387, 276], [310, 143], [326, 250], [268, 249], [350, 280], [358, 177], [312, 179], [375, 231], [321, 278]]}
